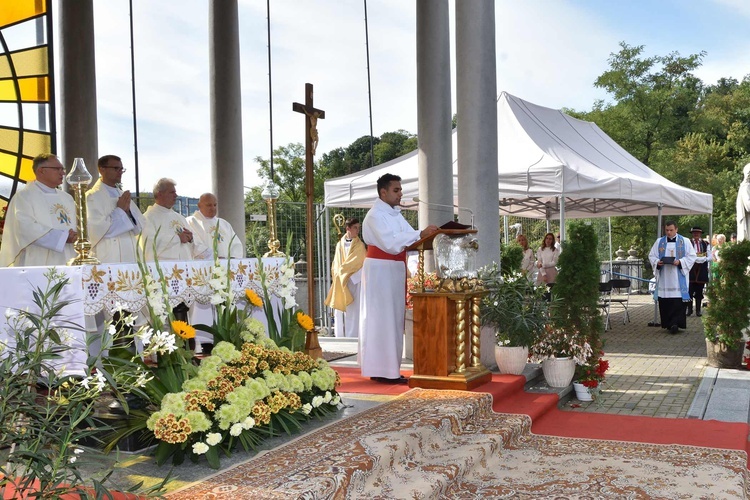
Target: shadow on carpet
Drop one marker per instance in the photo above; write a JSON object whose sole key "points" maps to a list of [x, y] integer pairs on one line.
{"points": [[450, 444]]}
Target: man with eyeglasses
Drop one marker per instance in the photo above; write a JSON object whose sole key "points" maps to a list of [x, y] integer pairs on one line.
{"points": [[40, 223], [114, 221]]}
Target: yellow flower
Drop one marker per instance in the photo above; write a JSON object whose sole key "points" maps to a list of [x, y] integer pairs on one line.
{"points": [[305, 321], [253, 298], [183, 329]]}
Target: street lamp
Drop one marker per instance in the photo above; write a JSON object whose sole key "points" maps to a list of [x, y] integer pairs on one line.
{"points": [[271, 194], [79, 178]]}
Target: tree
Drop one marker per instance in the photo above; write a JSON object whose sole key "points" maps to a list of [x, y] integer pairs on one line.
{"points": [[289, 170], [653, 99]]}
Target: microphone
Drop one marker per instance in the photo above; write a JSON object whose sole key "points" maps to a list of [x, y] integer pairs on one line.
{"points": [[471, 214]]}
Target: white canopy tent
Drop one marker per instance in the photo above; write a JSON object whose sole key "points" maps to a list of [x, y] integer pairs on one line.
{"points": [[550, 165]]}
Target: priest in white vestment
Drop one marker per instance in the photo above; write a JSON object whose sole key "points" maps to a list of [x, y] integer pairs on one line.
{"points": [[671, 257], [114, 220], [203, 223], [175, 241], [383, 301], [40, 223], [743, 205]]}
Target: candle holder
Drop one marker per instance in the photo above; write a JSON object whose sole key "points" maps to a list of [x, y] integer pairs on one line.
{"points": [[271, 194], [79, 179]]}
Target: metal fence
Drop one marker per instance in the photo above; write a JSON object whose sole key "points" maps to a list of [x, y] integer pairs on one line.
{"points": [[291, 231]]}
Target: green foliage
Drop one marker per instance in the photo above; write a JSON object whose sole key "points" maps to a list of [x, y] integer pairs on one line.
{"points": [[43, 434], [289, 170], [577, 286], [511, 256], [726, 317], [514, 306]]}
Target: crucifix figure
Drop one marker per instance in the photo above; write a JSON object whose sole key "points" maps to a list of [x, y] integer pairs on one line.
{"points": [[311, 143]]}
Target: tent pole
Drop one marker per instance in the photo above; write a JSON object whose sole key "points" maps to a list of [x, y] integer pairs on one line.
{"points": [[655, 322], [505, 229], [562, 219], [609, 227]]}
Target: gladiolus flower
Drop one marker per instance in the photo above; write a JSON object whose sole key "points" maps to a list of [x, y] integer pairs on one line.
{"points": [[182, 329]]}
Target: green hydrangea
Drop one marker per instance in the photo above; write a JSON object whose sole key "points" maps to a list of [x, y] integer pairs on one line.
{"points": [[259, 388], [229, 414], [252, 330], [199, 422], [226, 351], [174, 402], [306, 379], [194, 384], [276, 381], [324, 379], [242, 395], [295, 384]]}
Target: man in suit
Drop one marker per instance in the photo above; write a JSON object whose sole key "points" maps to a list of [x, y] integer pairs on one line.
{"points": [[699, 271]]}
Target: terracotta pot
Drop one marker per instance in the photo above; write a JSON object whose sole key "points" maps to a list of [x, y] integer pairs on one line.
{"points": [[720, 355], [559, 372], [582, 392], [511, 360]]}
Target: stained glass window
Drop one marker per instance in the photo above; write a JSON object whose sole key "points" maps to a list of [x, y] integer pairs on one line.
{"points": [[27, 120]]}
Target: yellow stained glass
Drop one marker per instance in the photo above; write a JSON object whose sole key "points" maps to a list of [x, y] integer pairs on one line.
{"points": [[13, 11], [9, 139], [34, 89], [30, 62], [8, 166]]}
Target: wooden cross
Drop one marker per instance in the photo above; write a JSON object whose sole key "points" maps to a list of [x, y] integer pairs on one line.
{"points": [[311, 143]]}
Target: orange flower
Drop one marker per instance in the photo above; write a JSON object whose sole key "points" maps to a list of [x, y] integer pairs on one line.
{"points": [[305, 321], [253, 298], [182, 329]]}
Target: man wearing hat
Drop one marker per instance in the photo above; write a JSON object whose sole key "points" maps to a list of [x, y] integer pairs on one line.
{"points": [[699, 271]]}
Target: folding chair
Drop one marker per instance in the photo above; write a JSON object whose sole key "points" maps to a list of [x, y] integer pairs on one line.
{"points": [[605, 302], [623, 297]]}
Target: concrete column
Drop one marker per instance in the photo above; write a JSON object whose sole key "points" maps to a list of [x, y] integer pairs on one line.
{"points": [[226, 113], [476, 93], [78, 123], [434, 112]]}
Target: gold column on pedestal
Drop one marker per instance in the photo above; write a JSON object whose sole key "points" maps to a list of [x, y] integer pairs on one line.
{"points": [[476, 327], [460, 336], [79, 178], [271, 194]]}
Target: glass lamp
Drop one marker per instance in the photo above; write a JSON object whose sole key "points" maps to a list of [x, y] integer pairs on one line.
{"points": [[271, 194], [79, 179]]}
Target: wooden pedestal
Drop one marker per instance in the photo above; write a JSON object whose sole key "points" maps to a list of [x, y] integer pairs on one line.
{"points": [[446, 341]]}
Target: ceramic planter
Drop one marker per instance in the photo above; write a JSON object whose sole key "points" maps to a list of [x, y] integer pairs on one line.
{"points": [[559, 372], [511, 360], [582, 392], [720, 355]]}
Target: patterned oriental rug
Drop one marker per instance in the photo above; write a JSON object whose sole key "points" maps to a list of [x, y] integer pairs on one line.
{"points": [[450, 444]]}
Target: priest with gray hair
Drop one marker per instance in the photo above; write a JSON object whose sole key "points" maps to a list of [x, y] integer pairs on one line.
{"points": [[743, 205]]}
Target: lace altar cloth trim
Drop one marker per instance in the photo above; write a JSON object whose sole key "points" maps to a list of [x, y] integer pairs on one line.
{"points": [[106, 285], [450, 444]]}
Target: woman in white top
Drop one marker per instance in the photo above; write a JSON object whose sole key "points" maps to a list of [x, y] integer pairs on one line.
{"points": [[546, 260], [528, 261]]}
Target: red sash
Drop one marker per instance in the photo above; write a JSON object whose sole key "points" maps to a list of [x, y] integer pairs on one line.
{"points": [[374, 252]]}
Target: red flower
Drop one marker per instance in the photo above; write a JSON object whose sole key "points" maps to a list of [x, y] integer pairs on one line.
{"points": [[591, 384]]}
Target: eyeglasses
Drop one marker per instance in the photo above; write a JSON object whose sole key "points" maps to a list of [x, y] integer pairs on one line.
{"points": [[59, 169], [119, 169]]}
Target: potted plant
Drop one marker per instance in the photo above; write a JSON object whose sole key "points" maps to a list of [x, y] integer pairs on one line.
{"points": [[726, 317], [518, 311], [589, 379], [576, 323]]}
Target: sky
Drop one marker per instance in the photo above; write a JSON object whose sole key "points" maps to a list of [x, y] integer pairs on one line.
{"points": [[549, 52]]}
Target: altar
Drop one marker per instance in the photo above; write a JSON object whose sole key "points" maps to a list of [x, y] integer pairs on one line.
{"points": [[95, 291]]}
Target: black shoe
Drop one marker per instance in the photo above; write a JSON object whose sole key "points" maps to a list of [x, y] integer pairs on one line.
{"points": [[401, 380], [674, 329], [699, 314], [689, 312]]}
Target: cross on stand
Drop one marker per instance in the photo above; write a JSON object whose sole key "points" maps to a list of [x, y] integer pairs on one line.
{"points": [[311, 143]]}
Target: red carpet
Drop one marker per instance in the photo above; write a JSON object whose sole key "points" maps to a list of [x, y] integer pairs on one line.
{"points": [[509, 397]]}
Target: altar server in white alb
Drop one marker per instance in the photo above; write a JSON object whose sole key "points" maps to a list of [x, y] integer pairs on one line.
{"points": [[175, 241], [671, 257], [114, 219], [383, 301], [203, 224], [40, 223]]}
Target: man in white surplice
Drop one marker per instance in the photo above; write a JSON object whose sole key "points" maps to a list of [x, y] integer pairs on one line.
{"points": [[383, 295], [40, 223], [114, 219], [672, 256], [203, 224], [175, 240]]}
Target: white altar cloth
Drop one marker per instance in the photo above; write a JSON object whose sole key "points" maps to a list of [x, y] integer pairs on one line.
{"points": [[100, 288]]}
